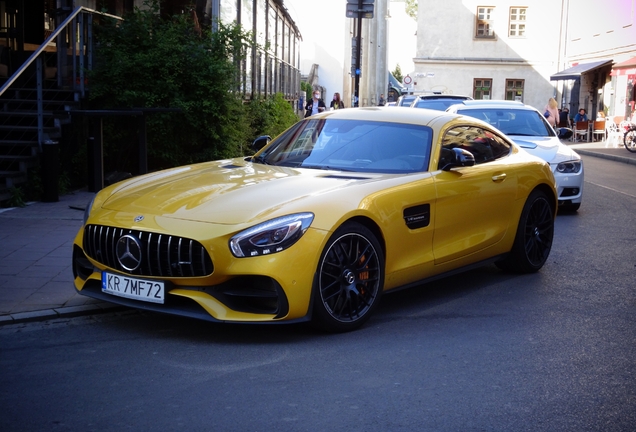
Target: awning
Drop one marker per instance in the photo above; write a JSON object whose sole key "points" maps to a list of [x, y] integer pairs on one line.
{"points": [[626, 68], [575, 72]]}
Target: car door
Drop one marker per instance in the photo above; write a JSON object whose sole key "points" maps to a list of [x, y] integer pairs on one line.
{"points": [[474, 204]]}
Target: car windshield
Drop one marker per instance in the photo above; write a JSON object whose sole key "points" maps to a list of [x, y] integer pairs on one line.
{"points": [[406, 100], [512, 121], [351, 145]]}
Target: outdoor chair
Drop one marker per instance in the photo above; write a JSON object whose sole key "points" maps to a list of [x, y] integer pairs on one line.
{"points": [[613, 135], [599, 129], [581, 129]]}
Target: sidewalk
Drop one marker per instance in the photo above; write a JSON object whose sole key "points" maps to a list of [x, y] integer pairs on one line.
{"points": [[603, 150], [36, 279]]}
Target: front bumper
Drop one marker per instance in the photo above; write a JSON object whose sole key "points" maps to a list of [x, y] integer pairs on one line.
{"points": [[271, 288], [569, 186]]}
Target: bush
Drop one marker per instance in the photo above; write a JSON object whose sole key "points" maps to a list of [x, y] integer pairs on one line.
{"points": [[147, 61]]}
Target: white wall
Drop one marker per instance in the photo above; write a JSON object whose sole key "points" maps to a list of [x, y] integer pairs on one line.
{"points": [[449, 57], [322, 26]]}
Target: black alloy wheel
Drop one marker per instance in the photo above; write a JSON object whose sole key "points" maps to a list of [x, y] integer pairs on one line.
{"points": [[533, 240], [349, 280]]}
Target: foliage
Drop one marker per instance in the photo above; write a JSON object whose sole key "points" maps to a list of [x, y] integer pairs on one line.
{"points": [[17, 198], [146, 61], [397, 73], [271, 116], [306, 87], [410, 7]]}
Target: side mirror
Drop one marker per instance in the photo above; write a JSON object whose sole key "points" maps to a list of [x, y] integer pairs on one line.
{"points": [[457, 157], [564, 133], [261, 142]]}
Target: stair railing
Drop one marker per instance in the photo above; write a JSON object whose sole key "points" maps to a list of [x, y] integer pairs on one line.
{"points": [[73, 36]]}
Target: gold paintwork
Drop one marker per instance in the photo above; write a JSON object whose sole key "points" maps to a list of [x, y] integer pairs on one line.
{"points": [[213, 201]]}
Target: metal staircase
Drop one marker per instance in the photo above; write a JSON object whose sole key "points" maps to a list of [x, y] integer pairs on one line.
{"points": [[35, 100], [24, 128]]}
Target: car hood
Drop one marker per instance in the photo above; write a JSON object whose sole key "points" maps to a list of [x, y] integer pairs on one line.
{"points": [[550, 149], [226, 192]]}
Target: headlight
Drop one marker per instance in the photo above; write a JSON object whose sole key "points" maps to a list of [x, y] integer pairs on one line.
{"points": [[270, 237], [87, 210], [569, 167]]}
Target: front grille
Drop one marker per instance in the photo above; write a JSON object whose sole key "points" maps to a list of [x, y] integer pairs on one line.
{"points": [[161, 255]]}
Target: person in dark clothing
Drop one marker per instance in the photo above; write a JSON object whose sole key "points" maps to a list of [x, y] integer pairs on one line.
{"points": [[315, 105], [337, 103], [564, 118]]}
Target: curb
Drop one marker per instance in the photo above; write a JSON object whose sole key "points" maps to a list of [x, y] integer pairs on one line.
{"points": [[62, 312], [616, 158]]}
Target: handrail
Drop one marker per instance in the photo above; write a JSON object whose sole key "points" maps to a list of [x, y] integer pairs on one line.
{"points": [[48, 40]]}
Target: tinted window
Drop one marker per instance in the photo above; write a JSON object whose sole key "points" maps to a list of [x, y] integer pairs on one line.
{"points": [[406, 100], [512, 121], [483, 144], [435, 104], [351, 145]]}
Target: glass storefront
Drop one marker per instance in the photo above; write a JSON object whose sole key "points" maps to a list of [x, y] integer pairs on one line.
{"points": [[273, 67]]}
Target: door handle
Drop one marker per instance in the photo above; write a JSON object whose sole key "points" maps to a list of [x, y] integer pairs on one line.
{"points": [[498, 178]]}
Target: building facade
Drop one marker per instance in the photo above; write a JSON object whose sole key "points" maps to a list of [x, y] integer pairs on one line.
{"points": [[598, 48], [529, 52], [496, 50]]}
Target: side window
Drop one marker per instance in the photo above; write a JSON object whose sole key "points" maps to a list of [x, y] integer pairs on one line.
{"points": [[483, 144]]}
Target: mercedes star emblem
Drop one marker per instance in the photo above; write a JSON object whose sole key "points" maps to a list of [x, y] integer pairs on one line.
{"points": [[129, 252]]}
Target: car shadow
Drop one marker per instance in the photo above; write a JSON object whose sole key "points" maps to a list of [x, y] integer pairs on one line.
{"points": [[411, 303]]}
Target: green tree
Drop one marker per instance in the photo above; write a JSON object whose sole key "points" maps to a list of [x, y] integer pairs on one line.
{"points": [[152, 62], [397, 73], [271, 116], [306, 87], [410, 7]]}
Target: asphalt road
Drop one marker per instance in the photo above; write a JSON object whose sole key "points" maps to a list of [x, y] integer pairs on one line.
{"points": [[481, 351]]}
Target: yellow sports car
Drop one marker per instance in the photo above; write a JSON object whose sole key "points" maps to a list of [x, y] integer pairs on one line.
{"points": [[338, 209]]}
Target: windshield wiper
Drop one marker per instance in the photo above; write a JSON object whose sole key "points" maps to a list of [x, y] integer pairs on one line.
{"points": [[260, 159]]}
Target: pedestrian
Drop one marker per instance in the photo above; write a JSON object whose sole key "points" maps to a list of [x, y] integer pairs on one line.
{"points": [[580, 116], [551, 112], [381, 102], [336, 103], [564, 118], [315, 105]]}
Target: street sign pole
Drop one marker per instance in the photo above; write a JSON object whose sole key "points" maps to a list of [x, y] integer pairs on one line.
{"points": [[358, 55], [365, 10]]}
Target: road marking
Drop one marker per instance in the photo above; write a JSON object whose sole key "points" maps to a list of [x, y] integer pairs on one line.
{"points": [[612, 189]]}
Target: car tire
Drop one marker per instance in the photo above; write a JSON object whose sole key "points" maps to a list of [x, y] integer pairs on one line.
{"points": [[349, 279], [533, 240]]}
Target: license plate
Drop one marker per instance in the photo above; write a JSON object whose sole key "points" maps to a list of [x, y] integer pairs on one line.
{"points": [[133, 288]]}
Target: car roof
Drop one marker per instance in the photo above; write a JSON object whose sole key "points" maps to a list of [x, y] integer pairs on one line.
{"points": [[493, 103], [444, 96], [489, 104], [386, 114]]}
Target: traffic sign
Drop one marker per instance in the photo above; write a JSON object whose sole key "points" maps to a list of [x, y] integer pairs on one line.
{"points": [[365, 12], [407, 80]]}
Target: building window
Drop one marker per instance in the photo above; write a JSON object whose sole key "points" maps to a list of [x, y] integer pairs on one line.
{"points": [[481, 88], [514, 90], [485, 25], [517, 26]]}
